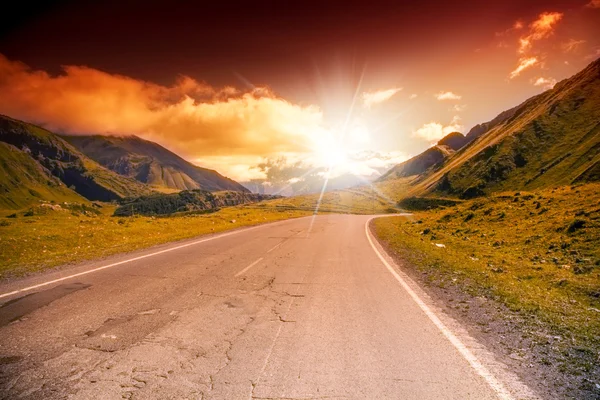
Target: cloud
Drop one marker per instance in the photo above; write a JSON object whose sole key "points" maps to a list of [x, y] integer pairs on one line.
{"points": [[593, 55], [545, 83], [190, 116], [434, 131], [524, 63], [413, 96], [593, 4], [459, 107], [447, 96], [539, 29], [571, 45], [222, 128], [518, 25], [379, 96]]}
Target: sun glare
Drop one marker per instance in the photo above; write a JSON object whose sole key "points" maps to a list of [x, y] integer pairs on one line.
{"points": [[334, 151]]}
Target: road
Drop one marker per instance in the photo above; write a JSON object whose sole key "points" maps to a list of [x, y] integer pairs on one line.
{"points": [[299, 309]]}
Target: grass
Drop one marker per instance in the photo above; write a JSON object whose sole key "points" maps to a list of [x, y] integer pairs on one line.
{"points": [[48, 238], [538, 253], [23, 181]]}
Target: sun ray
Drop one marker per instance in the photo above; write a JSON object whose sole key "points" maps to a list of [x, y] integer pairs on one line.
{"points": [[312, 220]]}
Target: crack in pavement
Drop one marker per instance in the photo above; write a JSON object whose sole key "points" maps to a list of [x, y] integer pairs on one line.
{"points": [[282, 319], [227, 351]]}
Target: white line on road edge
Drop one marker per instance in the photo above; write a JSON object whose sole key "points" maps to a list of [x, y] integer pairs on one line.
{"points": [[491, 380], [128, 260], [248, 267]]}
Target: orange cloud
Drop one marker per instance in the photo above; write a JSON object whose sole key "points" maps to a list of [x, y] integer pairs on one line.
{"points": [[539, 29], [524, 63], [593, 4], [371, 98], [447, 96], [189, 116], [571, 45], [518, 25]]}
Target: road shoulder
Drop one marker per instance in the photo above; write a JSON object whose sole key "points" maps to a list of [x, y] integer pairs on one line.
{"points": [[491, 331]]}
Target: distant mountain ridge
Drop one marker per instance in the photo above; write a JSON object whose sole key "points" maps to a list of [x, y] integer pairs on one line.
{"points": [[150, 163], [551, 139]]}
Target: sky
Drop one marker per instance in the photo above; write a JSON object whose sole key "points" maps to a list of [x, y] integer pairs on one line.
{"points": [[282, 93]]}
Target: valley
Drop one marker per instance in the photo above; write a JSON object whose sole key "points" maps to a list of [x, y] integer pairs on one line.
{"points": [[500, 226]]}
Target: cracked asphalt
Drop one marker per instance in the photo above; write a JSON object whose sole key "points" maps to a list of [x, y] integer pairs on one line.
{"points": [[318, 317]]}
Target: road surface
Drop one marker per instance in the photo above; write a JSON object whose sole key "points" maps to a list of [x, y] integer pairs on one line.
{"points": [[299, 309]]}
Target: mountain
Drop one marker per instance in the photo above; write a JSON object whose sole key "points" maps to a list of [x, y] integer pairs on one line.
{"points": [[150, 163], [454, 140], [482, 128], [39, 165], [431, 157], [551, 139], [418, 164]]}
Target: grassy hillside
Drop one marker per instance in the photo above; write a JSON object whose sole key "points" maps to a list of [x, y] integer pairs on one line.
{"points": [[23, 181], [150, 163], [56, 157], [537, 253], [553, 139], [550, 140]]}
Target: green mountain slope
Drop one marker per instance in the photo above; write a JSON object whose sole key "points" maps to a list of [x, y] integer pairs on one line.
{"points": [[24, 181], [150, 163], [552, 139], [45, 152]]}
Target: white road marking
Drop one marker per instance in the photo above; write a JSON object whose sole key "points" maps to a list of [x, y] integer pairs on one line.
{"points": [[248, 267], [274, 247], [128, 260], [491, 380]]}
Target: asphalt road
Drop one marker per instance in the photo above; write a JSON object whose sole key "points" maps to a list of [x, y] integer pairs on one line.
{"points": [[299, 309]]}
